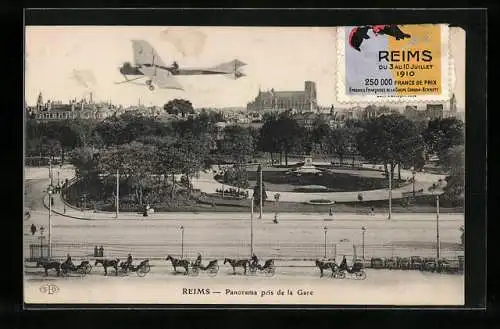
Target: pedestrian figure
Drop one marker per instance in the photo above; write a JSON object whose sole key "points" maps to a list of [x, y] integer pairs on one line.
{"points": [[33, 229], [101, 251], [96, 252], [331, 211], [372, 211]]}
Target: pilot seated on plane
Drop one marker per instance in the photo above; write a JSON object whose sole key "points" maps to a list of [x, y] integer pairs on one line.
{"points": [[174, 68]]}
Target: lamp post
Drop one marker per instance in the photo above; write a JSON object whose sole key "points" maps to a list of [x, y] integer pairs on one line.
{"points": [[413, 179], [277, 198], [49, 254], [182, 241], [390, 190], [438, 243], [41, 241], [260, 188], [363, 230], [50, 171], [117, 201], [326, 230], [251, 226]]}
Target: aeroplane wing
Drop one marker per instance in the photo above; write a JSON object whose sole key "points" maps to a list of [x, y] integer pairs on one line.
{"points": [[145, 54], [161, 78]]}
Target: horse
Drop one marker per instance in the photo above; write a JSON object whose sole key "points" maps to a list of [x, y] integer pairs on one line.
{"points": [[49, 266], [179, 263], [108, 263], [326, 265], [237, 263]]}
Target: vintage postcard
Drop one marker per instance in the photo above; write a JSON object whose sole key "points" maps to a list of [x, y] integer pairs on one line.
{"points": [[244, 165]]}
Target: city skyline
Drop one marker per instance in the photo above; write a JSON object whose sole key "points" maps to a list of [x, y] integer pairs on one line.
{"points": [[82, 59]]}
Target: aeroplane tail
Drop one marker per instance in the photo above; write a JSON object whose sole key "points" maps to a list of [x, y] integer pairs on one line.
{"points": [[235, 75], [231, 68]]}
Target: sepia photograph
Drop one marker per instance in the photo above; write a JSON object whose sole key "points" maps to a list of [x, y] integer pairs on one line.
{"points": [[244, 165]]}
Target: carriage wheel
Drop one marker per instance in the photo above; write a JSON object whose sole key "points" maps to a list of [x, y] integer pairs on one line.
{"points": [[213, 271], [361, 275], [146, 268], [88, 268], [194, 271], [252, 270], [141, 272], [341, 275], [270, 271], [82, 272]]}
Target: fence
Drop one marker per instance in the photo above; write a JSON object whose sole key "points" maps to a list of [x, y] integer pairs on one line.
{"points": [[291, 251]]}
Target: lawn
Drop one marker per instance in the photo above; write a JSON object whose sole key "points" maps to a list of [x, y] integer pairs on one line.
{"points": [[337, 181]]}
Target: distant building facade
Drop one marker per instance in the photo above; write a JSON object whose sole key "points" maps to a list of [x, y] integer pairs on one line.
{"points": [[83, 109], [300, 101]]}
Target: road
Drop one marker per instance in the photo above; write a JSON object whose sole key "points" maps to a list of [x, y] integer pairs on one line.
{"points": [[161, 285], [229, 235], [296, 238]]}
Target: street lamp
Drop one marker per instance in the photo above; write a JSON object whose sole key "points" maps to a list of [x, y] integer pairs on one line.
{"points": [[260, 189], [277, 198], [390, 184], [50, 171], [438, 243], [50, 222], [182, 241], [326, 230], [413, 172], [251, 226], [363, 230], [41, 241]]}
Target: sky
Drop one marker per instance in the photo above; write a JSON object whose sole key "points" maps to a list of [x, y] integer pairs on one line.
{"points": [[65, 62]]}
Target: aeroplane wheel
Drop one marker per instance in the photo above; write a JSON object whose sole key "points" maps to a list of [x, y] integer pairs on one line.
{"points": [[151, 87]]}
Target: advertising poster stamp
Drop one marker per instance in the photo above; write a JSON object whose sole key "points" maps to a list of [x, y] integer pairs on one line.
{"points": [[398, 62]]}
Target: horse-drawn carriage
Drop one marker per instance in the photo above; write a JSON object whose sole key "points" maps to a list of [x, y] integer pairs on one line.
{"points": [[194, 268], [268, 268], [82, 269], [64, 269], [211, 269], [253, 266], [141, 270], [341, 272]]}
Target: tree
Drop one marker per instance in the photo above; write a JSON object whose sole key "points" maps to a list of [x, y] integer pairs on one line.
{"points": [[288, 133], [237, 143], [442, 134], [454, 162], [177, 106], [389, 139], [320, 134], [341, 142], [256, 190], [269, 140], [113, 131]]}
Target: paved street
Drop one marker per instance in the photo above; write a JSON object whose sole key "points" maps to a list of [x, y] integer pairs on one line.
{"points": [[161, 285]]}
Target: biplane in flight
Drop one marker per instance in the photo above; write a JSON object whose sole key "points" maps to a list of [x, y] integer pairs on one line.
{"points": [[148, 65]]}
